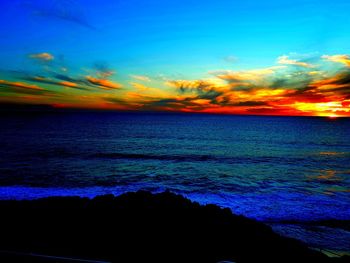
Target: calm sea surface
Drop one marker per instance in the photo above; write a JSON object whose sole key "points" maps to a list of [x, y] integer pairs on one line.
{"points": [[269, 168]]}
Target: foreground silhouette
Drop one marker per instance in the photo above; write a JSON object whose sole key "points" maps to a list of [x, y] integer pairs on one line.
{"points": [[139, 227]]}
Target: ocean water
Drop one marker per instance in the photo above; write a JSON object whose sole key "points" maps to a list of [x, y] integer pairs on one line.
{"points": [[273, 169]]}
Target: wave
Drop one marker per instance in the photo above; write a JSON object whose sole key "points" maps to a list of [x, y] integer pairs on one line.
{"points": [[154, 157], [231, 158], [279, 207], [208, 158]]}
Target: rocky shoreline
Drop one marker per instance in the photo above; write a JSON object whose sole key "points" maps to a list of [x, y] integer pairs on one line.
{"points": [[139, 227]]}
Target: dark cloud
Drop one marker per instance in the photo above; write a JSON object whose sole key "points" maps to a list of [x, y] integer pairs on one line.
{"points": [[103, 83], [308, 95], [209, 94], [202, 88], [65, 10], [116, 101], [293, 79], [19, 85], [70, 79], [193, 104], [5, 88], [342, 79], [64, 83], [78, 81], [250, 103], [103, 71], [243, 87], [174, 104], [185, 86], [167, 103]]}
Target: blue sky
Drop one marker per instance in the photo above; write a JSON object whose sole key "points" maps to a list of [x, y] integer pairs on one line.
{"points": [[188, 34]]}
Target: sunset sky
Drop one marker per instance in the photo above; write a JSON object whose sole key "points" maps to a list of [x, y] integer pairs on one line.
{"points": [[241, 57]]}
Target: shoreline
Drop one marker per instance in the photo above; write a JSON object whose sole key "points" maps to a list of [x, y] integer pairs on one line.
{"points": [[143, 226], [328, 233]]}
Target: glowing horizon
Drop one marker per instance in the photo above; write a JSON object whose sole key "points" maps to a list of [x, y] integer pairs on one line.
{"points": [[58, 63]]}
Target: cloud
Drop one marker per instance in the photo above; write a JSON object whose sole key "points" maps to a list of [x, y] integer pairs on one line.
{"points": [[278, 90], [251, 103], [247, 75], [292, 80], [192, 85], [150, 92], [100, 77], [65, 83], [19, 85], [42, 56], [59, 10], [23, 88], [344, 59], [285, 60], [230, 59], [177, 104], [103, 83], [141, 78], [116, 100], [199, 89], [103, 71], [66, 78]]}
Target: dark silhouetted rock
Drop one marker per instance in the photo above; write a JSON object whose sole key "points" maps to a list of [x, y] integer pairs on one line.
{"points": [[141, 227]]}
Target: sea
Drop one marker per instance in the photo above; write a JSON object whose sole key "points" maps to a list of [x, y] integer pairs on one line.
{"points": [[289, 172]]}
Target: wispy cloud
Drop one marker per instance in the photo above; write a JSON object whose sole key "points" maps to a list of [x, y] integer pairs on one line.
{"points": [[141, 78], [285, 60], [42, 56], [19, 85], [230, 59], [63, 10], [63, 83], [344, 59], [14, 87], [103, 83]]}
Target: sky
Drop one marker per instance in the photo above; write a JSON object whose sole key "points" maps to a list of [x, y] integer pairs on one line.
{"points": [[231, 57]]}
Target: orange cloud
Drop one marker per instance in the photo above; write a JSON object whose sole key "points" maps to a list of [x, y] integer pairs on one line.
{"points": [[103, 83], [344, 59], [20, 85], [277, 90], [68, 84], [42, 56], [71, 83]]}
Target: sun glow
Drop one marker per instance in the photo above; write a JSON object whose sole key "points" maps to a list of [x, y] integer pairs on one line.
{"points": [[324, 109], [333, 116]]}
